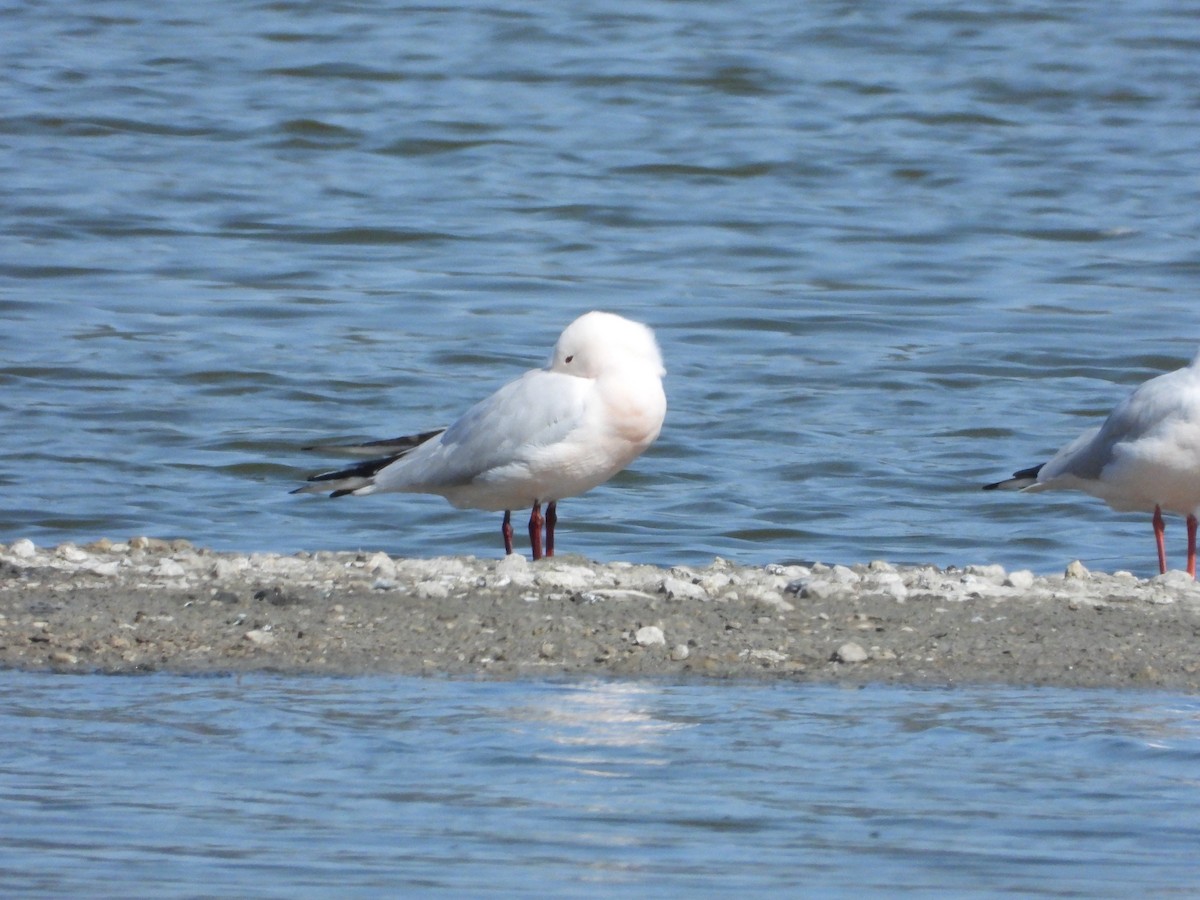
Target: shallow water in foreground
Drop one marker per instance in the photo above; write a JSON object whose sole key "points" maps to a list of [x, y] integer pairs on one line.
{"points": [[269, 787]]}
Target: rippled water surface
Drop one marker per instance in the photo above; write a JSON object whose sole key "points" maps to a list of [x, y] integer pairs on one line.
{"points": [[261, 786], [892, 251]]}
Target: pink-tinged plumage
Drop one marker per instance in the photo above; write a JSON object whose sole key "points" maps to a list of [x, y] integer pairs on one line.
{"points": [[553, 433]]}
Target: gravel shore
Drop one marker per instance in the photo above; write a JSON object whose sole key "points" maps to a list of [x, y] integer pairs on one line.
{"points": [[148, 604]]}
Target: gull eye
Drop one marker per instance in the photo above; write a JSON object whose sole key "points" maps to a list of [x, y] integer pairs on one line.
{"points": [[569, 358]]}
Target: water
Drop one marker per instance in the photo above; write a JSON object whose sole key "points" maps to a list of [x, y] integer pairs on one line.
{"points": [[892, 251], [269, 787]]}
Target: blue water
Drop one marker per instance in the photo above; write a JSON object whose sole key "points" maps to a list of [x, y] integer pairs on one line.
{"points": [[892, 250], [270, 787]]}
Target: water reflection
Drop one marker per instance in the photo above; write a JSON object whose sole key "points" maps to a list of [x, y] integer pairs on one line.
{"points": [[392, 783], [602, 729]]}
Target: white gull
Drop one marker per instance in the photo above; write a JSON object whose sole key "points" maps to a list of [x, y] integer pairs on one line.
{"points": [[1145, 457], [553, 433]]}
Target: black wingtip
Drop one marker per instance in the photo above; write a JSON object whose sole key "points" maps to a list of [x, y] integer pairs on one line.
{"points": [[366, 469], [1021, 479], [383, 453]]}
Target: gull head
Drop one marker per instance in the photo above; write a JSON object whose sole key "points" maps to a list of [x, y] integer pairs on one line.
{"points": [[599, 342]]}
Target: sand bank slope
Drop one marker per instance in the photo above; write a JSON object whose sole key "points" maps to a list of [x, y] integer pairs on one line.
{"points": [[148, 605]]}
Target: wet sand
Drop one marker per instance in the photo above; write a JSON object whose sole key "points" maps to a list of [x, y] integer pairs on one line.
{"points": [[149, 605]]}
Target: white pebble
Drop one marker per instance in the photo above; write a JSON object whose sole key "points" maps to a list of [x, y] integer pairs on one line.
{"points": [[890, 584], [169, 568], [716, 583], [789, 572], [432, 590], [850, 652], [601, 594], [564, 578], [381, 565], [1176, 578], [23, 548], [773, 599], [822, 590], [229, 566], [260, 637], [70, 553], [678, 589], [843, 575], [991, 573], [1076, 570], [649, 635], [1022, 579], [513, 569], [512, 562]]}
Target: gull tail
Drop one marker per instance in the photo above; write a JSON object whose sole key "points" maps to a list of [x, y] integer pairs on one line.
{"points": [[1020, 480], [360, 479]]}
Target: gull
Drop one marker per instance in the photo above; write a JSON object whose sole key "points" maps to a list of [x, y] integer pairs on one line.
{"points": [[1146, 456], [553, 433]]}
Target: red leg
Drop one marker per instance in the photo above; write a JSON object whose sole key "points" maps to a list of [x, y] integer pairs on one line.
{"points": [[551, 521], [535, 531], [1191, 522], [506, 530], [1161, 540]]}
